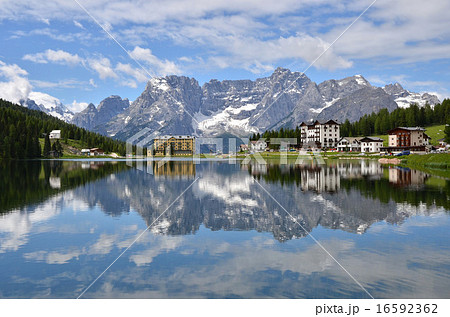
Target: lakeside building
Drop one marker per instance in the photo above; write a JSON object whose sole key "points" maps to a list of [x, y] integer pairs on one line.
{"points": [[407, 138], [55, 135], [92, 152], [349, 144], [243, 147], [371, 144], [174, 145], [319, 134], [258, 146]]}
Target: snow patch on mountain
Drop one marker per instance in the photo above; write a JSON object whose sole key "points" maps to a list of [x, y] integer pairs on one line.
{"points": [[223, 121], [327, 105], [160, 83], [360, 80], [405, 102], [404, 98], [51, 105]]}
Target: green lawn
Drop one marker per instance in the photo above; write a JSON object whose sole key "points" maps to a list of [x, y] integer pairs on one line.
{"points": [[428, 160], [435, 132], [385, 138], [66, 147]]}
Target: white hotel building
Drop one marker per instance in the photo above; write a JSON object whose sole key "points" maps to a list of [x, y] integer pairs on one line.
{"points": [[320, 134]]}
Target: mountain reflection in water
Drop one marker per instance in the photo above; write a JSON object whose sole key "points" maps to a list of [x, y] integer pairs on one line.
{"points": [[63, 222], [345, 196]]}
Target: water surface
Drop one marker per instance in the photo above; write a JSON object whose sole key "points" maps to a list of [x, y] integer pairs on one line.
{"points": [[63, 222]]}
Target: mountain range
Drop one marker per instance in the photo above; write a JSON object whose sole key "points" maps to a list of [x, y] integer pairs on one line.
{"points": [[179, 105], [48, 104]]}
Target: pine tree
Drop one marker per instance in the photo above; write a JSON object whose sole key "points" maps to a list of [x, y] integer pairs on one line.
{"points": [[58, 148], [47, 146], [447, 133]]}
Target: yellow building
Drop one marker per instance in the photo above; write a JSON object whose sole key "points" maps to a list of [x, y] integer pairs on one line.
{"points": [[174, 145]]}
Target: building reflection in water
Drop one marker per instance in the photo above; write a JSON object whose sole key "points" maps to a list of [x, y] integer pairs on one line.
{"points": [[402, 177], [319, 177], [172, 169]]}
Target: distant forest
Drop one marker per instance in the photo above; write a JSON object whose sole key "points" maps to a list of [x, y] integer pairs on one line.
{"points": [[21, 128], [380, 123]]}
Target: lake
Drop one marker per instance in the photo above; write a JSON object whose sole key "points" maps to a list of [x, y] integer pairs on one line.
{"points": [[346, 229]]}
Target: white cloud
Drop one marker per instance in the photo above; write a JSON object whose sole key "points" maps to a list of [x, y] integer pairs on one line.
{"points": [[92, 83], [158, 66], [59, 56], [103, 67], [77, 106], [78, 24], [412, 30], [17, 86], [61, 84], [55, 34], [44, 99], [137, 73]]}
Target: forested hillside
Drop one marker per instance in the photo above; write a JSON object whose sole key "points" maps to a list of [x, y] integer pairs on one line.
{"points": [[383, 121], [21, 128]]}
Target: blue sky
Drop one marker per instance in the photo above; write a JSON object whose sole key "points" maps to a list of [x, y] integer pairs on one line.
{"points": [[56, 48]]}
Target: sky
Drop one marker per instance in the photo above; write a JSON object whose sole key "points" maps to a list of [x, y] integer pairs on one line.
{"points": [[81, 51]]}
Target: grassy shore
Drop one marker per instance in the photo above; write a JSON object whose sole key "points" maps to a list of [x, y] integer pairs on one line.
{"points": [[435, 161]]}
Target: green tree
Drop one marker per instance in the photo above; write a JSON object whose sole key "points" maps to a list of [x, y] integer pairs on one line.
{"points": [[47, 145], [447, 133]]}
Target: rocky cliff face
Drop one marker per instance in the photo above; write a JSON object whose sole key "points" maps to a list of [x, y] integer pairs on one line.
{"points": [[92, 117], [166, 105], [86, 118], [178, 105], [404, 98]]}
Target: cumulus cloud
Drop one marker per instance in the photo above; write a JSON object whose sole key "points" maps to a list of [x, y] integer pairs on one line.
{"points": [[160, 67], [59, 56], [103, 67], [137, 73], [77, 106], [16, 86], [44, 99]]}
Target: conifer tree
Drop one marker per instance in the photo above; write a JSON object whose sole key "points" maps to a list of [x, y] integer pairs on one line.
{"points": [[47, 145]]}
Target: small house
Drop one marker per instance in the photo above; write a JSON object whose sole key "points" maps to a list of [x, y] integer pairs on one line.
{"points": [[258, 146], [55, 135], [243, 148], [96, 151]]}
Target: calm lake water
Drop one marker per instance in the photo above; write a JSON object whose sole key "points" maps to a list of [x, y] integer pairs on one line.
{"points": [[62, 223]]}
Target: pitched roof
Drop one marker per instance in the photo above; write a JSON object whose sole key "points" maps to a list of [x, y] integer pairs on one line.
{"points": [[371, 139], [351, 138], [407, 128], [313, 123]]}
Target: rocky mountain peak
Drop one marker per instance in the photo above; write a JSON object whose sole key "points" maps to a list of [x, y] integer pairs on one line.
{"points": [[396, 90], [178, 105], [90, 108]]}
